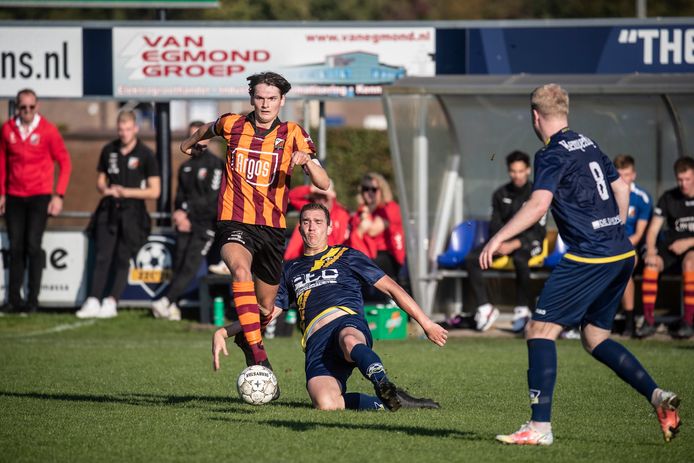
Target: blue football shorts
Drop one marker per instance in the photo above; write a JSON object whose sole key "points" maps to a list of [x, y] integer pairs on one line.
{"points": [[578, 293], [323, 354]]}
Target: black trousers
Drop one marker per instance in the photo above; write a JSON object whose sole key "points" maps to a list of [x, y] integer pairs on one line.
{"points": [[190, 250], [26, 221], [112, 257], [520, 262]]}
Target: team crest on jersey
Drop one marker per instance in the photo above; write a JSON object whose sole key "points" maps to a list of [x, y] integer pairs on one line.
{"points": [[279, 143], [202, 173], [133, 163], [34, 138]]}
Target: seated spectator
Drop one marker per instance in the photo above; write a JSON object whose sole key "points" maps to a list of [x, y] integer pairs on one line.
{"points": [[376, 226], [640, 208], [673, 253], [506, 201], [339, 217], [195, 218]]}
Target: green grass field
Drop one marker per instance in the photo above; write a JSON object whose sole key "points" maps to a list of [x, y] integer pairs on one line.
{"points": [[136, 389]]}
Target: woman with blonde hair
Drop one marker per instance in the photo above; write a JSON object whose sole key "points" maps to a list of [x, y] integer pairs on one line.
{"points": [[376, 227]]}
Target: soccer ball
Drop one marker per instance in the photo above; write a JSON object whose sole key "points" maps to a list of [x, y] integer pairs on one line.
{"points": [[153, 256], [257, 385]]}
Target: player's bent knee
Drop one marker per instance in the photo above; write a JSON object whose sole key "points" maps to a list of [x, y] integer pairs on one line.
{"points": [[328, 402]]}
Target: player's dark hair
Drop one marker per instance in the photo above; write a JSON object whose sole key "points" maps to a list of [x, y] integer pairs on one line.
{"points": [[26, 91], [624, 161], [683, 164], [315, 207], [195, 125], [515, 156], [268, 78]]}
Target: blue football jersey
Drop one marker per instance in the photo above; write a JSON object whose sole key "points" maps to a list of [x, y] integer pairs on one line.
{"points": [[579, 175], [332, 278], [640, 208]]}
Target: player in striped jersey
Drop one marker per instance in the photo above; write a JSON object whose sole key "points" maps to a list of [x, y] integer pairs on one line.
{"points": [[589, 204], [262, 152]]}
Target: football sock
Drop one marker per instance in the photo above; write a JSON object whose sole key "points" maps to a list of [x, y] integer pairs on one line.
{"points": [[358, 401], [542, 375], [369, 363], [626, 366], [649, 288], [249, 317], [688, 282]]}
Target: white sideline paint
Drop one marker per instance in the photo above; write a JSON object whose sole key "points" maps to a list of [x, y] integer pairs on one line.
{"points": [[55, 329]]}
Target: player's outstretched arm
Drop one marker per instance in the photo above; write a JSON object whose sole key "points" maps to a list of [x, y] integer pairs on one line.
{"points": [[219, 344], [204, 132], [435, 332], [530, 213]]}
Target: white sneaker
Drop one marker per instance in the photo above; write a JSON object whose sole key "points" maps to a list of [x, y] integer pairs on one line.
{"points": [[109, 308], [219, 268], [90, 308], [174, 313], [160, 308], [521, 315], [486, 316]]}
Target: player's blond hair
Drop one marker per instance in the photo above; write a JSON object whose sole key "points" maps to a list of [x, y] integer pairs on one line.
{"points": [[550, 100], [127, 115]]}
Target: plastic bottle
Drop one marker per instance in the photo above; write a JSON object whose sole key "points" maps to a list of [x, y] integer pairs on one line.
{"points": [[291, 317], [218, 311]]}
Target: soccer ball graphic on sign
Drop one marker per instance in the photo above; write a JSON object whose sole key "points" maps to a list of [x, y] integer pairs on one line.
{"points": [[257, 385], [153, 256]]}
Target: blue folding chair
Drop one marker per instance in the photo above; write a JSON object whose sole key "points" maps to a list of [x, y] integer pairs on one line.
{"points": [[464, 237]]}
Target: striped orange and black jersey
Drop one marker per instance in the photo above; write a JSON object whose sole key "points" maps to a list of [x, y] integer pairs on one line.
{"points": [[256, 185]]}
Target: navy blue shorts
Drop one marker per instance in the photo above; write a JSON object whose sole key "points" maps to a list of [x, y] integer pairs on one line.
{"points": [[578, 293], [323, 354]]}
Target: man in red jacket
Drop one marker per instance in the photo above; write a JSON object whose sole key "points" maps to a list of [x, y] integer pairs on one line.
{"points": [[29, 148]]}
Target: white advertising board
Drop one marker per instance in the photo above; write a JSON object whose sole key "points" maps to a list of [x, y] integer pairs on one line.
{"points": [[45, 59], [318, 61], [63, 283]]}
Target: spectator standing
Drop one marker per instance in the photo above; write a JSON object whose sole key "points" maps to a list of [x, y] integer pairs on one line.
{"points": [[638, 215], [506, 201], [199, 181], [675, 252], [128, 175], [30, 146]]}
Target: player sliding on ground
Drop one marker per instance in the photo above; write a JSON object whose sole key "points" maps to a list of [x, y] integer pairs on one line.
{"points": [[262, 152], [326, 285], [589, 203]]}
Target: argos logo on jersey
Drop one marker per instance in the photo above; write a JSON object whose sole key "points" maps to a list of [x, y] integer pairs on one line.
{"points": [[315, 279], [257, 167]]}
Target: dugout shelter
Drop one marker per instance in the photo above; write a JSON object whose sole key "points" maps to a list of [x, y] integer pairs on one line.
{"points": [[449, 137]]}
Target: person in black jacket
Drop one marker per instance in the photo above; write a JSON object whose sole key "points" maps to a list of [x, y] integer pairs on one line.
{"points": [[199, 180], [128, 175], [506, 201]]}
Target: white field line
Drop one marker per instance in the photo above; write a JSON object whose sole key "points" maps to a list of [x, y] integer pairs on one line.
{"points": [[55, 329]]}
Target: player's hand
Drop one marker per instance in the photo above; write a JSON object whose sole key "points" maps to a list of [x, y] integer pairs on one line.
{"points": [[219, 344], [299, 158], [487, 254], [651, 260], [55, 206], [436, 333]]}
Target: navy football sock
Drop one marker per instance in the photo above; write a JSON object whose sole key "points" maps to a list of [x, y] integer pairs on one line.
{"points": [[369, 363], [542, 374], [626, 366], [358, 401]]}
